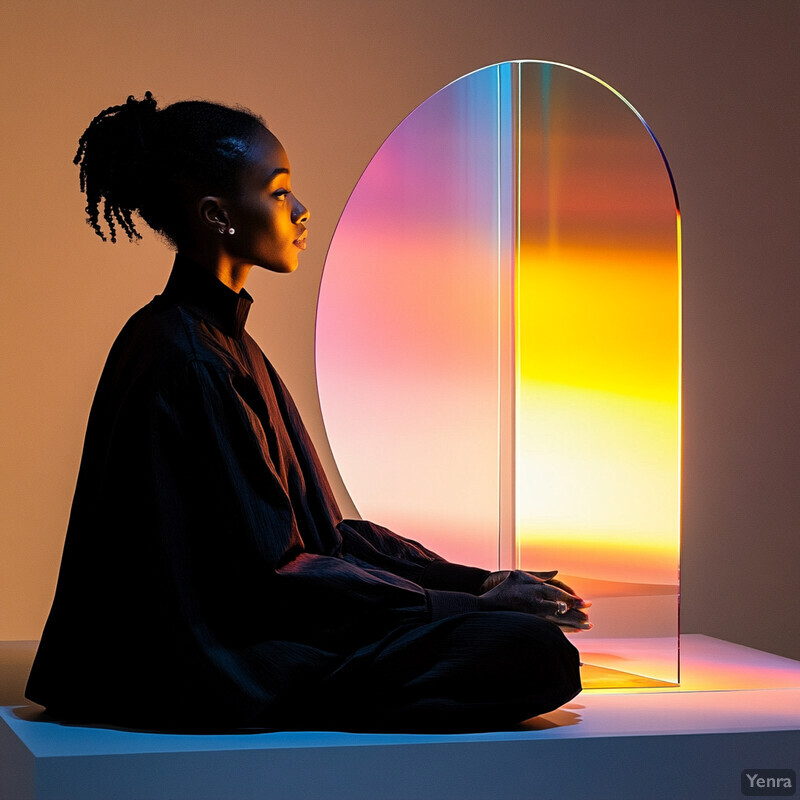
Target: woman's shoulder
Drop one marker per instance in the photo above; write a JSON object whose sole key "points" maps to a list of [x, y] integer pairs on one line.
{"points": [[157, 332], [164, 339]]}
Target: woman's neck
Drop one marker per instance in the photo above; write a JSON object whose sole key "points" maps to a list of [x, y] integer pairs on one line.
{"points": [[221, 266]]}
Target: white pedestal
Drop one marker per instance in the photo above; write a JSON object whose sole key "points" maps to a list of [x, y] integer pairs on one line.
{"points": [[736, 709]]}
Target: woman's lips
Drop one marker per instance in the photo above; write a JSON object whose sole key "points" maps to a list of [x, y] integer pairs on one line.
{"points": [[301, 241]]}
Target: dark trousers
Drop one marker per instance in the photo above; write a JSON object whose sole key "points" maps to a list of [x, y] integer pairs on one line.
{"points": [[471, 672]]}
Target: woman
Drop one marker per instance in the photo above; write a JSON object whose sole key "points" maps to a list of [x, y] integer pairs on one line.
{"points": [[208, 579]]}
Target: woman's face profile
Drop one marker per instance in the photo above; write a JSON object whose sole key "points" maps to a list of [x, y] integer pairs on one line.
{"points": [[269, 221]]}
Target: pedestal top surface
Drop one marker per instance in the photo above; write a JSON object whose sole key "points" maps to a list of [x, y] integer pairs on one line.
{"points": [[726, 688]]}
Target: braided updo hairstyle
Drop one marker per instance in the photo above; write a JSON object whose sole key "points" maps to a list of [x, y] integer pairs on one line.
{"points": [[138, 158]]}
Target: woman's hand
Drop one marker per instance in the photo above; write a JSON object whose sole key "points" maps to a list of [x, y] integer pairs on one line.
{"points": [[534, 593], [546, 575]]}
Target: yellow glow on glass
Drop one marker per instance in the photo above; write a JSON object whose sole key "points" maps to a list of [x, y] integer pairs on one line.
{"points": [[597, 337], [597, 475], [598, 445], [584, 320]]}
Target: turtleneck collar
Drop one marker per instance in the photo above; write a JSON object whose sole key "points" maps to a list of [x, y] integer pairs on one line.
{"points": [[194, 287]]}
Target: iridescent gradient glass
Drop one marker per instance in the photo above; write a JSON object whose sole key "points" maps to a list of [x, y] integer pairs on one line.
{"points": [[498, 348]]}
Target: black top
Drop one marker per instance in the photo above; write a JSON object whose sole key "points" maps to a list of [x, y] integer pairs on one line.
{"points": [[207, 571]]}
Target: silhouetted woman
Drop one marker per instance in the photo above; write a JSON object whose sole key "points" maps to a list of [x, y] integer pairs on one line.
{"points": [[208, 580]]}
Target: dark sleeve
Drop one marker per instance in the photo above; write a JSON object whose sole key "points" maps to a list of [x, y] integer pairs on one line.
{"points": [[377, 545]]}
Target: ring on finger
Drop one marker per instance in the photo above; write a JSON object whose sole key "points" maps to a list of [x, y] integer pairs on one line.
{"points": [[561, 608]]}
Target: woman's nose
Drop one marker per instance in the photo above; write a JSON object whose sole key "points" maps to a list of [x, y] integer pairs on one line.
{"points": [[300, 212]]}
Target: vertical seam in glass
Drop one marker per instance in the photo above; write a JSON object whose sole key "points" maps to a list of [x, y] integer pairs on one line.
{"points": [[499, 244], [505, 309]]}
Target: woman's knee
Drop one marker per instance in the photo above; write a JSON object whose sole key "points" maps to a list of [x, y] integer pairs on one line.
{"points": [[546, 657]]}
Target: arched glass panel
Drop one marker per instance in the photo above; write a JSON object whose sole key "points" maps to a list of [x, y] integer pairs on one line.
{"points": [[498, 347]]}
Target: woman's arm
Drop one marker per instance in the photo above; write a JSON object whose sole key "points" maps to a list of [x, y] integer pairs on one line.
{"points": [[381, 547]]}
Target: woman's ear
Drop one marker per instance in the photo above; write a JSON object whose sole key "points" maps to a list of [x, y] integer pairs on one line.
{"points": [[212, 214]]}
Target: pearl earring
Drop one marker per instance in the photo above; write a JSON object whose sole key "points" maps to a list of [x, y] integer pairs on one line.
{"points": [[231, 231]]}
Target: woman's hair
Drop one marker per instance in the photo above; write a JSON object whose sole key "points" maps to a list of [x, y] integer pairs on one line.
{"points": [[137, 157]]}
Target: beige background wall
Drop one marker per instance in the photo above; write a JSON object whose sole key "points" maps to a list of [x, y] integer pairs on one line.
{"points": [[717, 82]]}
